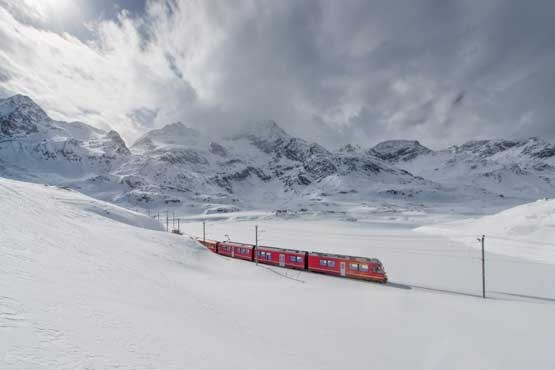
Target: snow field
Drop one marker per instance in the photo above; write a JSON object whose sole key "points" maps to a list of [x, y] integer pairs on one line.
{"points": [[82, 289]]}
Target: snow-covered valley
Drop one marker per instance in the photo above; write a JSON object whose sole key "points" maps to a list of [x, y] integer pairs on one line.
{"points": [[89, 285], [89, 280]]}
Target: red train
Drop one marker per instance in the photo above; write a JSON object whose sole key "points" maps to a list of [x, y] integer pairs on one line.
{"points": [[331, 264]]}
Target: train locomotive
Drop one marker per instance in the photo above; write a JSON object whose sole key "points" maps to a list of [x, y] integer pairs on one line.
{"points": [[363, 268]]}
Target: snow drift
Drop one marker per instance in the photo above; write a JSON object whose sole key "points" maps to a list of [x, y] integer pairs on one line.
{"points": [[526, 231]]}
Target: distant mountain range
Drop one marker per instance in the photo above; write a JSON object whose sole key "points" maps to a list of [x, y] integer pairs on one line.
{"points": [[263, 167]]}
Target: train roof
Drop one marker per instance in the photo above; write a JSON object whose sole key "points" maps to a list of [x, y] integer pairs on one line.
{"points": [[281, 249], [237, 244], [361, 259], [212, 241]]}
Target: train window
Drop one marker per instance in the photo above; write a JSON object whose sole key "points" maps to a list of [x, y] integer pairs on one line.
{"points": [[323, 263], [373, 268], [268, 256], [354, 266], [292, 258], [363, 267], [299, 259], [331, 263]]}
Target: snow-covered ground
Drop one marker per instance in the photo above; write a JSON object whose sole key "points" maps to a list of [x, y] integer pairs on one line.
{"points": [[411, 257], [83, 287], [526, 231]]}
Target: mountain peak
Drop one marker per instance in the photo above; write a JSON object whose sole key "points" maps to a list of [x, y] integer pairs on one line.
{"points": [[173, 134], [20, 98], [116, 143], [350, 148], [268, 130], [399, 150], [20, 115], [20, 103]]}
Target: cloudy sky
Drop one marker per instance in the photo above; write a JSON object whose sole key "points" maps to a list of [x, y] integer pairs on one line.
{"points": [[362, 71]]}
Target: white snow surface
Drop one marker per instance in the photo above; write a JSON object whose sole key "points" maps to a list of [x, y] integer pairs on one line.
{"points": [[82, 287], [526, 231]]}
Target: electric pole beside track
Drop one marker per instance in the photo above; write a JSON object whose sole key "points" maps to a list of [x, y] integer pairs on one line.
{"points": [[482, 240]]}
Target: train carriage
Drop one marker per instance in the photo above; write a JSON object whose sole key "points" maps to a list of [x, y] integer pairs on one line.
{"points": [[236, 250], [332, 264], [210, 244], [287, 258], [347, 266]]}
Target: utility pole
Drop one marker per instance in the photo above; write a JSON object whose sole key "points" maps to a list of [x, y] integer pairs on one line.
{"points": [[482, 240], [178, 227], [204, 231], [167, 221], [256, 243], [173, 220]]}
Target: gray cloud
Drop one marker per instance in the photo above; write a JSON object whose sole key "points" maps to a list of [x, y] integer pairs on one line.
{"points": [[339, 71]]}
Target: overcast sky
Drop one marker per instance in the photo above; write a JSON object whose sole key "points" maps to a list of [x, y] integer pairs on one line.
{"points": [[439, 71]]}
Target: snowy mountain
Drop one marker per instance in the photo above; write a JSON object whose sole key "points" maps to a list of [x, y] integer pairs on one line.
{"points": [[263, 167], [34, 146], [521, 169]]}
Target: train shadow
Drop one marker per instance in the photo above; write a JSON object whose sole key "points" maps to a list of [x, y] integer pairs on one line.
{"points": [[493, 295], [431, 289], [527, 297], [398, 286], [284, 273]]}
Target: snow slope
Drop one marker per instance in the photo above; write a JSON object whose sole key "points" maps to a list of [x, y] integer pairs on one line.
{"points": [[526, 231], [81, 287]]}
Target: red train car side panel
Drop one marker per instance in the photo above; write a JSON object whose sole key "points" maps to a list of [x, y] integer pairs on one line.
{"points": [[236, 250], [287, 258], [327, 264], [366, 269], [347, 266]]}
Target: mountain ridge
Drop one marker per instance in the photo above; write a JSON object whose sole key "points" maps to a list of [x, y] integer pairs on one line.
{"points": [[262, 166]]}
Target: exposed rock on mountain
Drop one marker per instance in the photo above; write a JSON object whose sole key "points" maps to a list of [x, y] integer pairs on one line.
{"points": [[398, 150]]}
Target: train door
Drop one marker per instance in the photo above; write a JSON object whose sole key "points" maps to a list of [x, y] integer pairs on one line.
{"points": [[342, 267], [282, 260], [233, 252]]}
